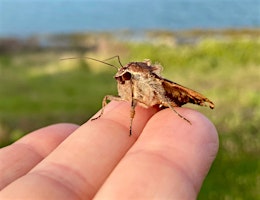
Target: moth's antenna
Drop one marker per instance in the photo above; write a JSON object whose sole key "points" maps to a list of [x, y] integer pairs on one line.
{"points": [[118, 59], [74, 58]]}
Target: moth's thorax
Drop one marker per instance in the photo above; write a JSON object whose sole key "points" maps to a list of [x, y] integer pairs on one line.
{"points": [[139, 80]]}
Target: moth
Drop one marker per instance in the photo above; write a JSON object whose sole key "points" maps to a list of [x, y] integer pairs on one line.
{"points": [[141, 83]]}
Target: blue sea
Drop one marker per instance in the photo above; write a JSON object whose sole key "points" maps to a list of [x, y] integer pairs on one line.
{"points": [[23, 18]]}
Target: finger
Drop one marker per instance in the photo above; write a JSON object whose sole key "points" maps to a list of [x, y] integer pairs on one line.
{"points": [[20, 157], [169, 161], [78, 167]]}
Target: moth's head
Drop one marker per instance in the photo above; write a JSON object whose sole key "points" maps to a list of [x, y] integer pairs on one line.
{"points": [[144, 69]]}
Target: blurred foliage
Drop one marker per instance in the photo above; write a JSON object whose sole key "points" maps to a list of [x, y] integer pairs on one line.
{"points": [[37, 89]]}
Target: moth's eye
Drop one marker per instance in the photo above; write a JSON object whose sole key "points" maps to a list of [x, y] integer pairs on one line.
{"points": [[126, 76], [123, 77]]}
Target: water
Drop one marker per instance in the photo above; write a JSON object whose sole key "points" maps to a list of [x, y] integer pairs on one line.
{"points": [[26, 17]]}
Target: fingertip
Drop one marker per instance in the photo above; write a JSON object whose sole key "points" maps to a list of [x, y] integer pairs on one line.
{"points": [[120, 114], [194, 145], [168, 123]]}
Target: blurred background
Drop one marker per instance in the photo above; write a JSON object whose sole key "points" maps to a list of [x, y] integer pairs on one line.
{"points": [[210, 46]]}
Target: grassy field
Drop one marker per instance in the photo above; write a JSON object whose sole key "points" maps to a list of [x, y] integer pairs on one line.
{"points": [[37, 89]]}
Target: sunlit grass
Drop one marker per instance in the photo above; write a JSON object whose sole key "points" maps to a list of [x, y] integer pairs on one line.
{"points": [[37, 90]]}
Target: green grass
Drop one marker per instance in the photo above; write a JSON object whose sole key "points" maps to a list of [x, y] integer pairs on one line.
{"points": [[33, 94], [37, 90]]}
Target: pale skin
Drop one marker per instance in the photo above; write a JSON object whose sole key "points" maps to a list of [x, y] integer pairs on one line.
{"points": [[165, 158]]}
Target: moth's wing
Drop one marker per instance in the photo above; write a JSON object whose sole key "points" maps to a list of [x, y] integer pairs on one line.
{"points": [[181, 95]]}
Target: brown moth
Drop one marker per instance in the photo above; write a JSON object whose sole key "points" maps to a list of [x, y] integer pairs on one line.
{"points": [[141, 83]]}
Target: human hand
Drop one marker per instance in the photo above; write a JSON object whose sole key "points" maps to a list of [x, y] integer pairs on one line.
{"points": [[99, 160]]}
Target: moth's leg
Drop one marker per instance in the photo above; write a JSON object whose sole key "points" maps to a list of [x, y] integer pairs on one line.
{"points": [[132, 114], [133, 105], [168, 103], [104, 103], [171, 107]]}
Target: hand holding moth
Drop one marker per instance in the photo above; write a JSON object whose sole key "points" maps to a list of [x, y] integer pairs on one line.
{"points": [[98, 160]]}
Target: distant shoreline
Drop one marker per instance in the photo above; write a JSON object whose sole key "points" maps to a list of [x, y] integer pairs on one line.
{"points": [[85, 41], [152, 32]]}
